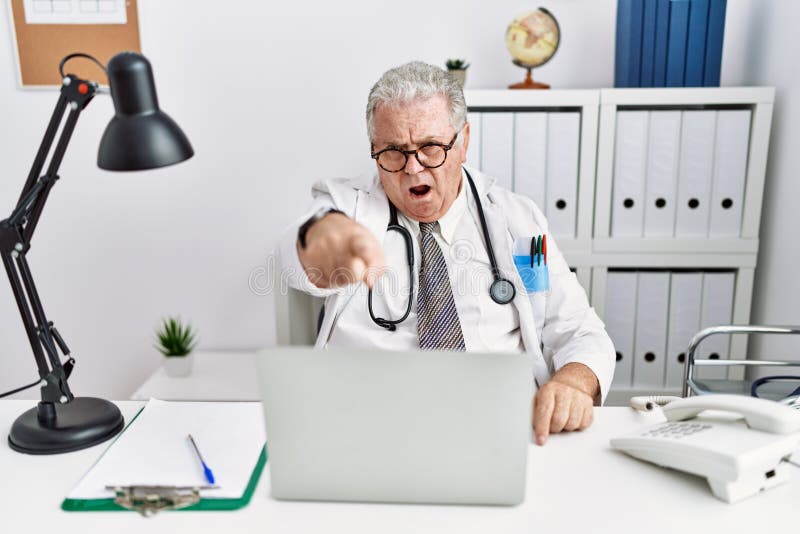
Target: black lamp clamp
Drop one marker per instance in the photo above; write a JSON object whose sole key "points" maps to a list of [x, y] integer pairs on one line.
{"points": [[140, 136]]}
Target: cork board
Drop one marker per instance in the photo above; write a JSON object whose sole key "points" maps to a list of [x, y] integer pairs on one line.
{"points": [[40, 47]]}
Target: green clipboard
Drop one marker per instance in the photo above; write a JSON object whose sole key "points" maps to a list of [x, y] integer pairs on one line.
{"points": [[108, 505], [210, 504]]}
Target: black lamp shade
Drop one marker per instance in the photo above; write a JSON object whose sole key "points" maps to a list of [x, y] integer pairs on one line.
{"points": [[140, 136]]}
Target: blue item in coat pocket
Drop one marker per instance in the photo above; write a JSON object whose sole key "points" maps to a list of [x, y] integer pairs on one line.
{"points": [[535, 278]]}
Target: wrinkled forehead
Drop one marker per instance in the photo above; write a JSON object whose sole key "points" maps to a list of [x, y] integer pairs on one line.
{"points": [[420, 117]]}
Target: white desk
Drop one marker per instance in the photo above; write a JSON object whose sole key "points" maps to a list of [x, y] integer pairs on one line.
{"points": [[216, 376], [576, 483]]}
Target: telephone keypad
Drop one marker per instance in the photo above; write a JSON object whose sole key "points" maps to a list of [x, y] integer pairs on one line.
{"points": [[676, 430]]}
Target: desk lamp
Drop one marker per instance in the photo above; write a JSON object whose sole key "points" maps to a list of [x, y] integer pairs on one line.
{"points": [[139, 137]]}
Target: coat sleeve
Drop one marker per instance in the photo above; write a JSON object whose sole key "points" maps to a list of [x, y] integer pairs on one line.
{"points": [[572, 331], [326, 194]]}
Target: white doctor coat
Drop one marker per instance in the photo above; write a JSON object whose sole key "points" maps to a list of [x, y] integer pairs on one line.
{"points": [[557, 326]]}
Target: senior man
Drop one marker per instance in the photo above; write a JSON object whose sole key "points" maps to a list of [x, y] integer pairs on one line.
{"points": [[463, 228]]}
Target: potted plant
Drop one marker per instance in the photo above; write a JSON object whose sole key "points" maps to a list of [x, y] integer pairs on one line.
{"points": [[176, 342], [458, 69]]}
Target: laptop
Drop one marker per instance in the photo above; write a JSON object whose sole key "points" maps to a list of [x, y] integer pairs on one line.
{"points": [[406, 427]]}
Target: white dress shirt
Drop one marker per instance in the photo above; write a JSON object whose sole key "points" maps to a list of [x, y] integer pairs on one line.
{"points": [[487, 326]]}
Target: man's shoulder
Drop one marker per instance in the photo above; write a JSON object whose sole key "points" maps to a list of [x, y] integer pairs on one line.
{"points": [[344, 192], [362, 182]]}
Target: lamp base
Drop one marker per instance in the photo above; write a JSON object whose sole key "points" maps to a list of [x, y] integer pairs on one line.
{"points": [[78, 424]]}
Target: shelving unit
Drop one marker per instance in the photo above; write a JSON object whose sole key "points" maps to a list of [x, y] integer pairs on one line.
{"points": [[594, 249]]}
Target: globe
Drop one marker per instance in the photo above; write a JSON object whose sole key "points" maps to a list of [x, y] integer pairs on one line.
{"points": [[532, 38]]}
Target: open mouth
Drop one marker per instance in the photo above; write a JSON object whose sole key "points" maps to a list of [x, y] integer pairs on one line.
{"points": [[420, 190]]}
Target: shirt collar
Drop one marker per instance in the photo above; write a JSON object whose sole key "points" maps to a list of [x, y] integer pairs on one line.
{"points": [[449, 221]]}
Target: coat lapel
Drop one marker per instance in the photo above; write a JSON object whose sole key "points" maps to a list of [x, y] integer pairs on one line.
{"points": [[503, 241]]}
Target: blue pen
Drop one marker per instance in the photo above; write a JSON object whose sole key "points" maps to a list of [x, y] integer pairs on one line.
{"points": [[206, 470]]}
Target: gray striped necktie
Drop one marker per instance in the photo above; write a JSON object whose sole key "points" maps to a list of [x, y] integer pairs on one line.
{"points": [[437, 317]]}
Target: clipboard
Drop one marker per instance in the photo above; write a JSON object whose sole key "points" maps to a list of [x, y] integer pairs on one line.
{"points": [[150, 466]]}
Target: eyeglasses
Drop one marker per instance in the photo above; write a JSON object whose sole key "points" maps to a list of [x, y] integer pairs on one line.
{"points": [[430, 156]]}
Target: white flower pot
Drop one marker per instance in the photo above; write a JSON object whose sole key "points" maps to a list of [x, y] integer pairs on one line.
{"points": [[178, 365]]}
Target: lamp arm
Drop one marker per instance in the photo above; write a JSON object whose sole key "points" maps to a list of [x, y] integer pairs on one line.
{"points": [[46, 144], [49, 179], [15, 237]]}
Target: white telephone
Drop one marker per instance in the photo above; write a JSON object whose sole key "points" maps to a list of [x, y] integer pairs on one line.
{"points": [[739, 454]]}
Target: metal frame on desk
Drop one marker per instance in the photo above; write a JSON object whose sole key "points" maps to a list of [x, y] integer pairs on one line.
{"points": [[697, 388]]}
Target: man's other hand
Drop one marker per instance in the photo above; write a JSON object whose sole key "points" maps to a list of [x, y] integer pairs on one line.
{"points": [[565, 403], [339, 252]]}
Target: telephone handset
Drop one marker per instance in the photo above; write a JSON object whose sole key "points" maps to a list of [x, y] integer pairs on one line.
{"points": [[738, 443]]}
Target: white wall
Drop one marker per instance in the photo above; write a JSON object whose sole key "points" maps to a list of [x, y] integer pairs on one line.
{"points": [[768, 53], [272, 99]]}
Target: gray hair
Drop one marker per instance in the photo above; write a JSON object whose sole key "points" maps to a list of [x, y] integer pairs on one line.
{"points": [[415, 80]]}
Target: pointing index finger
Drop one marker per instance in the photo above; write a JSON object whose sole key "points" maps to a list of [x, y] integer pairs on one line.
{"points": [[542, 413]]}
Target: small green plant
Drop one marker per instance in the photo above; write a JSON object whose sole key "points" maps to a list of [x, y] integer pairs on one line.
{"points": [[175, 338], [456, 64]]}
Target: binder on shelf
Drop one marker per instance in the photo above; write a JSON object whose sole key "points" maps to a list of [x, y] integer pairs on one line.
{"points": [[686, 290], [696, 43], [563, 153], [652, 303], [694, 177], [730, 170], [661, 43], [153, 454], [497, 146], [530, 155], [676, 48], [648, 44], [620, 319], [661, 186], [714, 38], [630, 166], [628, 51], [717, 309], [474, 150]]}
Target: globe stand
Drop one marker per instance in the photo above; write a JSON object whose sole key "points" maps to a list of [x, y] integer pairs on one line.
{"points": [[528, 83]]}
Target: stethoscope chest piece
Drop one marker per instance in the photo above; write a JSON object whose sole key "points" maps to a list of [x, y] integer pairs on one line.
{"points": [[502, 291]]}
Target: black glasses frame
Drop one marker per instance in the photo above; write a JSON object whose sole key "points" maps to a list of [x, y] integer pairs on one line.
{"points": [[406, 153]]}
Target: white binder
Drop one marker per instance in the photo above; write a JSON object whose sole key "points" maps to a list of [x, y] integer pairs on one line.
{"points": [[497, 146], [652, 302], [563, 150], [696, 168], [530, 155], [662, 173], [686, 291], [717, 310], [730, 169], [620, 319], [630, 165], [474, 150]]}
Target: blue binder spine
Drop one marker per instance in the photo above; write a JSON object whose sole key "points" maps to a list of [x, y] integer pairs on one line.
{"points": [[661, 40], [696, 43], [627, 58], [716, 33], [648, 43], [676, 49]]}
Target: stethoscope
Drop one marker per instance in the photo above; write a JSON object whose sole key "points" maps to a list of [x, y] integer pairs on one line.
{"points": [[502, 290]]}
